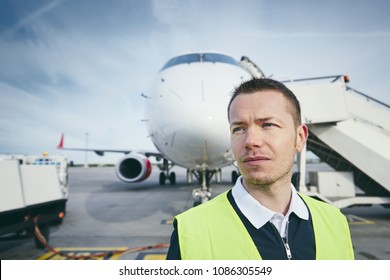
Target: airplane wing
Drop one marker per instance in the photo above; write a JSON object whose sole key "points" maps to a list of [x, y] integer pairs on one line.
{"points": [[101, 152], [135, 166]]}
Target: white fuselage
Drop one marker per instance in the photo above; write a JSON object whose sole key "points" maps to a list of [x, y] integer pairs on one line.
{"points": [[186, 112]]}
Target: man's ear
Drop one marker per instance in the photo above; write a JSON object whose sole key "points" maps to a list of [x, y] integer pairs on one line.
{"points": [[302, 135]]}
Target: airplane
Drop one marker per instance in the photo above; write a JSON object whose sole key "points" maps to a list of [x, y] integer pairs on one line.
{"points": [[186, 117]]}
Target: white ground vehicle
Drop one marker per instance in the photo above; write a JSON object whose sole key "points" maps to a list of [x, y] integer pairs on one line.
{"points": [[33, 190]]}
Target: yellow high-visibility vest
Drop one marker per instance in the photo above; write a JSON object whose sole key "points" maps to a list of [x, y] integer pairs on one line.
{"points": [[214, 231]]}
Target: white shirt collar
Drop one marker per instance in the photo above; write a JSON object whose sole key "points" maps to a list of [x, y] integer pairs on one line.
{"points": [[259, 215]]}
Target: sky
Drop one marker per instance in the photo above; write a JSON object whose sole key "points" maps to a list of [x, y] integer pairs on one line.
{"points": [[80, 67]]}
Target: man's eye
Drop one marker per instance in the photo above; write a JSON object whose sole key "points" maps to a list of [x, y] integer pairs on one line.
{"points": [[268, 125], [237, 130]]}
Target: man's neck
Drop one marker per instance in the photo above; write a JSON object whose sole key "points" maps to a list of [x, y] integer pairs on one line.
{"points": [[275, 197]]}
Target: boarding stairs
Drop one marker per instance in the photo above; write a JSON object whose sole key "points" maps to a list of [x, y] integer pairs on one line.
{"points": [[348, 130]]}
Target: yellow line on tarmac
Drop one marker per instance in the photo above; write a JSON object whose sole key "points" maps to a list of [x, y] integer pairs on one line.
{"points": [[151, 256], [355, 220], [167, 222], [84, 252]]}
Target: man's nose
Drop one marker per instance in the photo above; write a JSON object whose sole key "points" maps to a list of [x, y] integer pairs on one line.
{"points": [[254, 138]]}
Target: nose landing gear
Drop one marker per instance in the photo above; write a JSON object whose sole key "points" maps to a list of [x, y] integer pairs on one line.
{"points": [[165, 174]]}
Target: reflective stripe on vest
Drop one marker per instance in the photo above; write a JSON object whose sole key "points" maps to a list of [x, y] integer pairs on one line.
{"points": [[214, 231]]}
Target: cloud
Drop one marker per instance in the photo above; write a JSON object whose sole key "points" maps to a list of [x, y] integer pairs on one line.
{"points": [[81, 66], [64, 81], [30, 18]]}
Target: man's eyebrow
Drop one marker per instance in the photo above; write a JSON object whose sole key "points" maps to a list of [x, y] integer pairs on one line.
{"points": [[258, 120], [267, 119], [236, 123]]}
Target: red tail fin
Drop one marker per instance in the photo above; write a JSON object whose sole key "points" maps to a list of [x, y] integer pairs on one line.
{"points": [[61, 144]]}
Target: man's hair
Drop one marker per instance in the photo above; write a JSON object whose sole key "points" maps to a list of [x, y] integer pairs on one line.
{"points": [[262, 84]]}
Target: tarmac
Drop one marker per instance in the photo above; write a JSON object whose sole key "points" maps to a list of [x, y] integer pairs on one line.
{"points": [[109, 219]]}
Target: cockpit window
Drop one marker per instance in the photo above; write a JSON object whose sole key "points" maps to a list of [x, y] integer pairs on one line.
{"points": [[200, 57]]}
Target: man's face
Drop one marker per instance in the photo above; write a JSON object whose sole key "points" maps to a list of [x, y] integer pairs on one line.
{"points": [[264, 138]]}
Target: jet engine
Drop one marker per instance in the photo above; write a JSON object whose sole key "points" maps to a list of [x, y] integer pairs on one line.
{"points": [[133, 168]]}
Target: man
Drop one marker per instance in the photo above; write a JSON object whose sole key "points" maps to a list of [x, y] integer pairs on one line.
{"points": [[263, 216]]}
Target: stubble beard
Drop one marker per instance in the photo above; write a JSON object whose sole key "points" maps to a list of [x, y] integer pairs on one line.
{"points": [[266, 182]]}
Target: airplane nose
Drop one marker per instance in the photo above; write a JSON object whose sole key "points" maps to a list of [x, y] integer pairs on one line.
{"points": [[211, 125], [188, 112]]}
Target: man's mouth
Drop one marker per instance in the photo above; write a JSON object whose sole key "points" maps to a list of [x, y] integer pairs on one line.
{"points": [[256, 159]]}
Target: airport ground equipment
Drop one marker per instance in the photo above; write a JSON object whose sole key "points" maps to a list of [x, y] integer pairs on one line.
{"points": [[33, 191], [351, 133]]}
